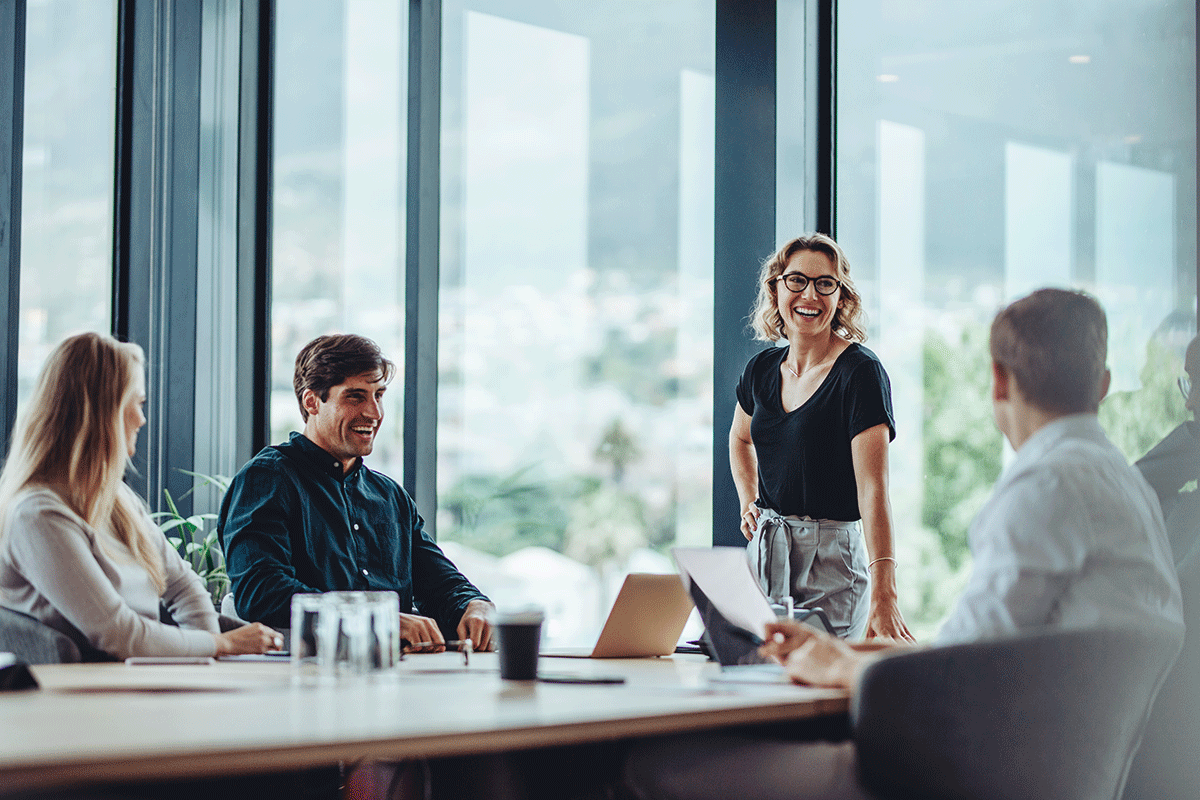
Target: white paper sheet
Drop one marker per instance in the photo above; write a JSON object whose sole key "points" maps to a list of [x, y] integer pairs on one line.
{"points": [[724, 575]]}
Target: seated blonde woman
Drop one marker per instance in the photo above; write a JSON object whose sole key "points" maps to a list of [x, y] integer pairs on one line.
{"points": [[78, 549]]}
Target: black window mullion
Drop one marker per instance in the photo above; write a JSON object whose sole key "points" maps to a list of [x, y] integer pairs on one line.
{"points": [[12, 114], [121, 168], [744, 234], [825, 42], [422, 270], [255, 185], [156, 228]]}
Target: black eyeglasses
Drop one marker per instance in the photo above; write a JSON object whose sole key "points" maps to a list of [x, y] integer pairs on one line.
{"points": [[1185, 386], [797, 282]]}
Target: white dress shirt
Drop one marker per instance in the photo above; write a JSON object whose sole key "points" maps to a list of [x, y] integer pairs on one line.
{"points": [[56, 567], [1072, 537]]}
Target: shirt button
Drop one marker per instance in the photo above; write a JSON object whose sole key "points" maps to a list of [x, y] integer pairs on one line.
{"points": [[356, 526], [365, 572]]}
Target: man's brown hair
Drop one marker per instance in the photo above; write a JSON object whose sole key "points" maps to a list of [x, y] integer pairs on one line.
{"points": [[1055, 343], [328, 360]]}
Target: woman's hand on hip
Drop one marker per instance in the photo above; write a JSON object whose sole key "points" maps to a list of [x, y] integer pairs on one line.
{"points": [[749, 520]]}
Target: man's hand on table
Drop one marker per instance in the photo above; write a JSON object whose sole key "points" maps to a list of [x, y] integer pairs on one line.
{"points": [[476, 624], [817, 658], [421, 634]]}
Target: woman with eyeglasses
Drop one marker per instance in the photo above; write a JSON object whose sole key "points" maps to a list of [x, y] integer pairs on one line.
{"points": [[809, 447], [78, 550]]}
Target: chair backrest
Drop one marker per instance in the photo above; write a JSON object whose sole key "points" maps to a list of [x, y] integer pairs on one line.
{"points": [[1046, 714], [1166, 765], [229, 610], [34, 642]]}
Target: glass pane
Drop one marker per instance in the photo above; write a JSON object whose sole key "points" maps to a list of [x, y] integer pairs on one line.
{"points": [[987, 149], [575, 374], [67, 183], [339, 204]]}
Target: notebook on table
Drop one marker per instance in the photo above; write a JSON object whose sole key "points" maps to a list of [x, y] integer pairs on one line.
{"points": [[646, 620]]}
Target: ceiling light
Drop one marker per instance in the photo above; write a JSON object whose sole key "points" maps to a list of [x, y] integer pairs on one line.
{"points": [[1080, 59], [885, 78]]}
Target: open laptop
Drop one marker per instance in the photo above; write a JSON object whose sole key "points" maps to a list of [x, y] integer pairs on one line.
{"points": [[646, 620]]}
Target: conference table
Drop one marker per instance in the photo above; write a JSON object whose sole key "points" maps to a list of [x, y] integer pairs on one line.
{"points": [[98, 723]]}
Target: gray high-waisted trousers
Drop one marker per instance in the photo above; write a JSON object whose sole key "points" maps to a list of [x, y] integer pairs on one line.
{"points": [[819, 563]]}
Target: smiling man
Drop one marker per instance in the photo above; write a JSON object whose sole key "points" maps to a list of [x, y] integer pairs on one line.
{"points": [[308, 516]]}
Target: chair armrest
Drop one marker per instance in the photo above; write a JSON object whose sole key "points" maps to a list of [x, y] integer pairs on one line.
{"points": [[34, 642]]}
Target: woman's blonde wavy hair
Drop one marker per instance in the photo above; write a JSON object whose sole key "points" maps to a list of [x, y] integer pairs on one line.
{"points": [[848, 319], [71, 437]]}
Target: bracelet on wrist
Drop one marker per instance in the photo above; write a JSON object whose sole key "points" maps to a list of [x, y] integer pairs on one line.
{"points": [[881, 558]]}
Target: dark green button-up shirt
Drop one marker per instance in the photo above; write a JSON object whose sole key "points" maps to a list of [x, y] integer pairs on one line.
{"points": [[292, 522]]}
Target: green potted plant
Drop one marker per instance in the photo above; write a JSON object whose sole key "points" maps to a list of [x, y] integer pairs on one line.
{"points": [[194, 539]]}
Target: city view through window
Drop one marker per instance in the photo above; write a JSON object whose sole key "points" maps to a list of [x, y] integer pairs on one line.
{"points": [[982, 150], [979, 155]]}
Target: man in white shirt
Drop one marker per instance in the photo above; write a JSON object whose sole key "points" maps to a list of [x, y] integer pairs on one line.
{"points": [[1072, 537]]}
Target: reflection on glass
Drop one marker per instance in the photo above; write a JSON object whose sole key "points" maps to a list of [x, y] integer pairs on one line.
{"points": [[575, 396], [979, 158], [1135, 261], [897, 293], [66, 198], [1038, 230], [339, 204]]}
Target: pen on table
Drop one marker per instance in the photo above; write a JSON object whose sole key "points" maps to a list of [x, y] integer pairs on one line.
{"points": [[459, 643], [463, 645]]}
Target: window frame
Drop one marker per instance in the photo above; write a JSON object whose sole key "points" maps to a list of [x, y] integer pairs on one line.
{"points": [[157, 183]]}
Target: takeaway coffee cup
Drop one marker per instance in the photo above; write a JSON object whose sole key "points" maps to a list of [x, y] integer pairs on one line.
{"points": [[520, 634]]}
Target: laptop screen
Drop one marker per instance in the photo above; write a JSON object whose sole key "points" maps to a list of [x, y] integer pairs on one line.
{"points": [[729, 643]]}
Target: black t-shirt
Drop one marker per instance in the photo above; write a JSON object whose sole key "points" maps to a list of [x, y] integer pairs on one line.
{"points": [[804, 462]]}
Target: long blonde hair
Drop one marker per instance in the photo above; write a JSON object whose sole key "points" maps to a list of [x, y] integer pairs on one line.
{"points": [[71, 437], [848, 318]]}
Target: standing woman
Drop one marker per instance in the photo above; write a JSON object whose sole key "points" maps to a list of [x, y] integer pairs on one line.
{"points": [[808, 446], [77, 548]]}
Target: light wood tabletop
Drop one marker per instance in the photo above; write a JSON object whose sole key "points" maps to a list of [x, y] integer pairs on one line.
{"points": [[92, 723]]}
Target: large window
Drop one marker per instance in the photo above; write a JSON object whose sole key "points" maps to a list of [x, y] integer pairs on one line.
{"points": [[575, 350], [339, 199], [987, 149], [67, 189]]}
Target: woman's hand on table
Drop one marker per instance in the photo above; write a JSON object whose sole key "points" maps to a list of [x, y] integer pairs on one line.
{"points": [[885, 620], [254, 638]]}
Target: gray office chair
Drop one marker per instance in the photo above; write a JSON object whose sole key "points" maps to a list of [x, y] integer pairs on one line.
{"points": [[33, 642], [1048, 714]]}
